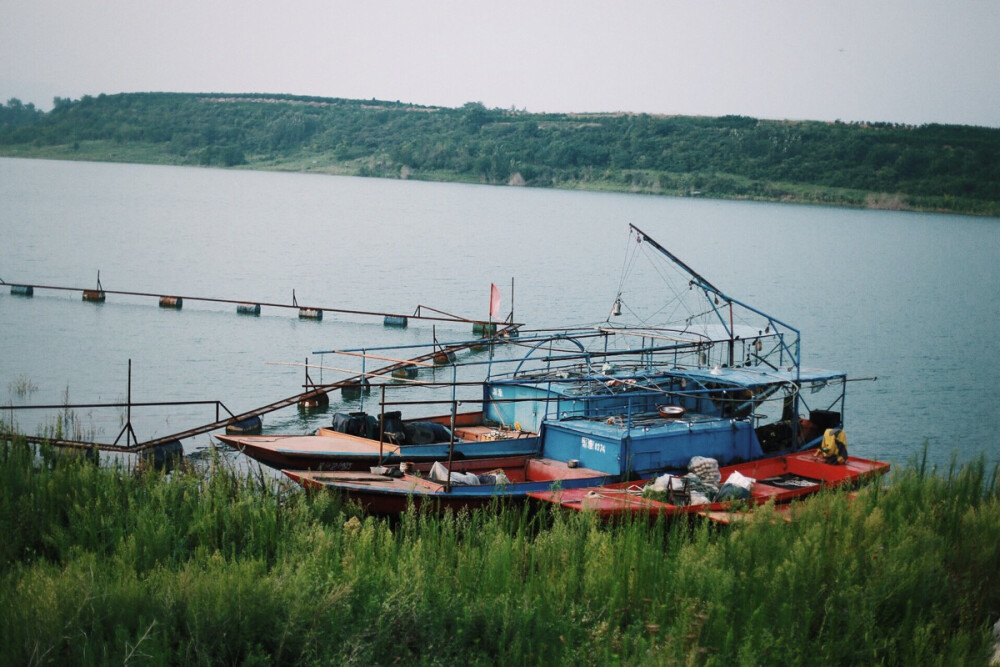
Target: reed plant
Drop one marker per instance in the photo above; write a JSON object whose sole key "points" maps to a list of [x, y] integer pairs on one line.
{"points": [[110, 565], [21, 386]]}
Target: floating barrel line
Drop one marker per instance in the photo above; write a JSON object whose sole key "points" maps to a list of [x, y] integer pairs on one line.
{"points": [[248, 307], [353, 382], [479, 327]]}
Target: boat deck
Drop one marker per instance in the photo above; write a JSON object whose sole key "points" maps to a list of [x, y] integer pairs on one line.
{"points": [[518, 469], [330, 442], [780, 478]]}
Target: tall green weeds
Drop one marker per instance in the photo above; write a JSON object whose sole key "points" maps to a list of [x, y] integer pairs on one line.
{"points": [[104, 566]]}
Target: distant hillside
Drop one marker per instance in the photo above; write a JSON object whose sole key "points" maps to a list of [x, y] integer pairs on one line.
{"points": [[879, 165]]}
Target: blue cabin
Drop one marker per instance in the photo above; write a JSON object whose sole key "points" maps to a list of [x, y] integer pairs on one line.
{"points": [[635, 424]]}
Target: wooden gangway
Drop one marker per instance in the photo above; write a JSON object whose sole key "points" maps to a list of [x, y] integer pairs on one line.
{"points": [[311, 391]]}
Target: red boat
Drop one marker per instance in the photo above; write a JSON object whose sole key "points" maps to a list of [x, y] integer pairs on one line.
{"points": [[781, 478]]}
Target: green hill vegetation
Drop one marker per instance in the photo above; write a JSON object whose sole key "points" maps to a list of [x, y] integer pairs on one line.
{"points": [[102, 565], [880, 165]]}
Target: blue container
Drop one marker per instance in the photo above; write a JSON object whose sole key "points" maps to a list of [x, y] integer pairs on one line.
{"points": [[22, 290], [395, 321]]}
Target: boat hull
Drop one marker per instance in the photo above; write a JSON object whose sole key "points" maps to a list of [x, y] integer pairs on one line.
{"points": [[338, 451], [380, 494]]}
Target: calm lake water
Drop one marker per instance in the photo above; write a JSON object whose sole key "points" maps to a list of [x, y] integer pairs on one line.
{"points": [[912, 299]]}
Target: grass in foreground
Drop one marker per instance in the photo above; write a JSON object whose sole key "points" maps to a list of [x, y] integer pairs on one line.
{"points": [[105, 566]]}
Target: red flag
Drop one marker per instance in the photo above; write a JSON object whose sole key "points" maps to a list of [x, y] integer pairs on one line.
{"points": [[494, 300]]}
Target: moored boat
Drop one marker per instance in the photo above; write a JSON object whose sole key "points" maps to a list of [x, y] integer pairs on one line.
{"points": [[463, 484], [723, 381], [333, 450], [779, 479]]}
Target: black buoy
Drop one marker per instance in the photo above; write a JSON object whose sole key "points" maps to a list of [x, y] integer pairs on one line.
{"points": [[314, 399], [351, 391], [163, 457], [248, 308], [249, 426], [407, 372]]}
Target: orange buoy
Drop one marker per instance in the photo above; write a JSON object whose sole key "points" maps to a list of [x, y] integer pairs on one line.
{"points": [[171, 302]]}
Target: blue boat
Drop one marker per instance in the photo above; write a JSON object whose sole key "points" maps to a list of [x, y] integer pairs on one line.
{"points": [[637, 425]]}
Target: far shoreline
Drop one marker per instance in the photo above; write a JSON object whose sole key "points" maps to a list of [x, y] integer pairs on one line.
{"points": [[107, 152]]}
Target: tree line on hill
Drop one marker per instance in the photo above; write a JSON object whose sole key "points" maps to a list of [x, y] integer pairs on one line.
{"points": [[929, 167]]}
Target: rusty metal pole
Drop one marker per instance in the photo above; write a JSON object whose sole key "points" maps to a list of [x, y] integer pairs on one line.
{"points": [[381, 426], [451, 446], [128, 419]]}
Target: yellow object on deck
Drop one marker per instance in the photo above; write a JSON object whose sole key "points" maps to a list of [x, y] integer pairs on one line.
{"points": [[834, 446]]}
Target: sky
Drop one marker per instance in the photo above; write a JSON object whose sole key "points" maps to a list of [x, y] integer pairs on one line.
{"points": [[897, 61]]}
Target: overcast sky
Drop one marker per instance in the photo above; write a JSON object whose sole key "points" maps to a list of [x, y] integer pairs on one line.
{"points": [[903, 61]]}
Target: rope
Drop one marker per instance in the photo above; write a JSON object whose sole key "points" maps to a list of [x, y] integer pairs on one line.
{"points": [[605, 492]]}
